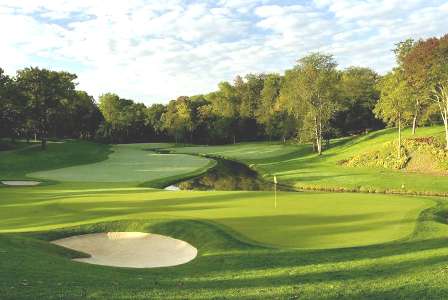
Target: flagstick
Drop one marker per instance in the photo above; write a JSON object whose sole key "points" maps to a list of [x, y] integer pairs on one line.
{"points": [[275, 195], [275, 191]]}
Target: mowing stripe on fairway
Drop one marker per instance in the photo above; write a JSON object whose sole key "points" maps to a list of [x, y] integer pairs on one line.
{"points": [[129, 163]]}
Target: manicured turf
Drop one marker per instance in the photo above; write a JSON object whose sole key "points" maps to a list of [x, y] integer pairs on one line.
{"points": [[130, 163], [226, 268], [304, 169], [301, 220], [16, 164], [243, 151], [352, 245]]}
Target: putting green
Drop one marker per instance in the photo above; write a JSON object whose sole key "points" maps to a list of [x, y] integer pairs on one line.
{"points": [[129, 163], [301, 220]]}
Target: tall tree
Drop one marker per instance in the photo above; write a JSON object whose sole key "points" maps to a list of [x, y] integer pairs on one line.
{"points": [[154, 119], [441, 98], [85, 115], [12, 107], [359, 94], [45, 91], [395, 106], [317, 88], [425, 66], [267, 111], [226, 104]]}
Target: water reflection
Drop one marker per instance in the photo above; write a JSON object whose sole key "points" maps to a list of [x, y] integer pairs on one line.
{"points": [[228, 176]]}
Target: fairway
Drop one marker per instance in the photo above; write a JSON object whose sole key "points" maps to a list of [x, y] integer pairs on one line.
{"points": [[243, 151], [130, 163]]}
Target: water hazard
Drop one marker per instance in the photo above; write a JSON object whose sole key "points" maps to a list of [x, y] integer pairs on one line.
{"points": [[228, 176]]}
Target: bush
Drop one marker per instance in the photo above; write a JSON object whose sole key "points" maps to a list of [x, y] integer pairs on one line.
{"points": [[387, 156]]}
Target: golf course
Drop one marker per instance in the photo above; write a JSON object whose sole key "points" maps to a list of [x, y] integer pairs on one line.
{"points": [[232, 149], [379, 241]]}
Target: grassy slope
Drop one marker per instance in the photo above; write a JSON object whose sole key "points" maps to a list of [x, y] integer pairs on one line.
{"points": [[304, 169], [16, 164]]}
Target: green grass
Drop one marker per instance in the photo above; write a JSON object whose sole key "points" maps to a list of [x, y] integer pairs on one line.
{"points": [[226, 268], [246, 152], [17, 164], [302, 168], [130, 163], [302, 220], [71, 161], [315, 245]]}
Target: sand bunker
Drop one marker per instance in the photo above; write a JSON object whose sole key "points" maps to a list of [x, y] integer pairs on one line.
{"points": [[20, 182], [130, 249], [172, 188]]}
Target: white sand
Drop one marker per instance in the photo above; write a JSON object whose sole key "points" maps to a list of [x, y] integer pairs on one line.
{"points": [[20, 182], [130, 249], [172, 188]]}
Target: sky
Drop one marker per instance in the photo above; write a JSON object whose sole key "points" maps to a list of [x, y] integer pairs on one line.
{"points": [[153, 51]]}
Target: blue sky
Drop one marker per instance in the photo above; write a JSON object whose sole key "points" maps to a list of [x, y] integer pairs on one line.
{"points": [[154, 51]]}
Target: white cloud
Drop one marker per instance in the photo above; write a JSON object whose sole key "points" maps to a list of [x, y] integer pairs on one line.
{"points": [[157, 50]]}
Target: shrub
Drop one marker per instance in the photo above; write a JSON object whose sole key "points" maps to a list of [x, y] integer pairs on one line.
{"points": [[387, 157]]}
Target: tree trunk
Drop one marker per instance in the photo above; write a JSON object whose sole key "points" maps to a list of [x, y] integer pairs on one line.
{"points": [[319, 138], [416, 111], [44, 143], [319, 146], [234, 139], [414, 124], [399, 137], [444, 113]]}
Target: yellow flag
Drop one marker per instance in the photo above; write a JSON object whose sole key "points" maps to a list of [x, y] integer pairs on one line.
{"points": [[275, 179]]}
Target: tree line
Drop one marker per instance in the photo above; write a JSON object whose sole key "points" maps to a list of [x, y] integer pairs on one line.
{"points": [[312, 102]]}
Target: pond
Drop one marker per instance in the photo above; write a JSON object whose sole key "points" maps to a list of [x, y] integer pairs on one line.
{"points": [[227, 176]]}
